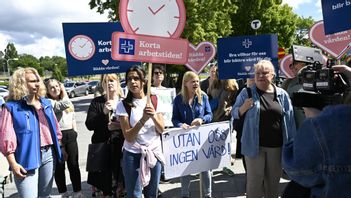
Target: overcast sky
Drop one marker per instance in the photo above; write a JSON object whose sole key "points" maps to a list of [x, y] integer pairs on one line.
{"points": [[35, 26]]}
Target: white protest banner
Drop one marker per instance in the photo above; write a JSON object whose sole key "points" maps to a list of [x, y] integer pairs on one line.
{"points": [[196, 150], [165, 98]]}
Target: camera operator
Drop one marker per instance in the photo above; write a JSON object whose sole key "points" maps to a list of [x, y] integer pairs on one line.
{"points": [[318, 157], [291, 86]]}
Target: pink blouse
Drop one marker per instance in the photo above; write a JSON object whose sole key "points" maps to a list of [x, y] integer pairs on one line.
{"points": [[8, 140]]}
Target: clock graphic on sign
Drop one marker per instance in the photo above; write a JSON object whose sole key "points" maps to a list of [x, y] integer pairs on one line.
{"points": [[81, 47], [165, 18]]}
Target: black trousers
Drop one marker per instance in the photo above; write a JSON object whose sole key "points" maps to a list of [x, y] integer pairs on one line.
{"points": [[103, 180], [69, 138], [295, 190]]}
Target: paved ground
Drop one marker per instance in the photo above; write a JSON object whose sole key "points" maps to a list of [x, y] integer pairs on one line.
{"points": [[223, 184]]}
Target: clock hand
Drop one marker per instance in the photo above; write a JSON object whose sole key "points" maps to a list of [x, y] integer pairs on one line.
{"points": [[81, 46], [154, 13]]}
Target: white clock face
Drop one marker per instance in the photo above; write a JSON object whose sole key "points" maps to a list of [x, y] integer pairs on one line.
{"points": [[81, 47], [156, 18]]}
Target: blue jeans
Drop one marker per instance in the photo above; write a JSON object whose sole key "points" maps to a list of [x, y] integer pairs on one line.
{"points": [[206, 183], [131, 167], [38, 182]]}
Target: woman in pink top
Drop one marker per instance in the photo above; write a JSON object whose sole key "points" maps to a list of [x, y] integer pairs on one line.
{"points": [[30, 135]]}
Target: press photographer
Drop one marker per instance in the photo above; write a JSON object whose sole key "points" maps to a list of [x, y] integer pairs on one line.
{"points": [[322, 86], [318, 157]]}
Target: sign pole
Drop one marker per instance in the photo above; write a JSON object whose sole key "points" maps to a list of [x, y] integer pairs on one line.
{"points": [[200, 189], [149, 78]]}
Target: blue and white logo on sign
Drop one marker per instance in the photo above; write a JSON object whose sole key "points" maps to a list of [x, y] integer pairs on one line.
{"points": [[207, 49], [126, 46], [247, 43], [238, 55]]}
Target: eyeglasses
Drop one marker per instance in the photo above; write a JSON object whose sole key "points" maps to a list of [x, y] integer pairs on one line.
{"points": [[135, 78], [262, 73], [158, 73]]}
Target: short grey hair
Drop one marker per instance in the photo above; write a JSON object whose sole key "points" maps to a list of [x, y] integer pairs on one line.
{"points": [[262, 64]]}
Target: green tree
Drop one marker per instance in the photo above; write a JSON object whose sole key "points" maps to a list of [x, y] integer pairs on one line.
{"points": [[10, 53], [61, 64], [208, 20], [26, 60], [47, 63], [274, 17], [57, 74], [303, 26], [109, 6]]}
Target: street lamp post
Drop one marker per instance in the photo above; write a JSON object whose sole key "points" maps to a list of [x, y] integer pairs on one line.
{"points": [[8, 66]]}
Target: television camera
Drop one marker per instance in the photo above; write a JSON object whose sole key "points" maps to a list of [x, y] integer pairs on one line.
{"points": [[321, 85]]}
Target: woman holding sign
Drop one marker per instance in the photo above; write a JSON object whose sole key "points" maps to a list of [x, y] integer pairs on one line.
{"points": [[142, 125], [191, 108]]}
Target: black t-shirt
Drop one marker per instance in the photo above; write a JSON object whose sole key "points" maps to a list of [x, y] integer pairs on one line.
{"points": [[270, 131]]}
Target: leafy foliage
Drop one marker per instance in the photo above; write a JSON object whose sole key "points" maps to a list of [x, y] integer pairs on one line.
{"points": [[303, 26], [274, 17]]}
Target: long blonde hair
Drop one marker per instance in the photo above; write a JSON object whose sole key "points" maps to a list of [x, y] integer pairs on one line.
{"points": [[231, 85], [115, 77], [18, 84], [189, 75]]}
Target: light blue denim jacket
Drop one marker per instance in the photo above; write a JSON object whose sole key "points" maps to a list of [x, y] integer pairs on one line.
{"points": [[250, 136], [319, 157]]}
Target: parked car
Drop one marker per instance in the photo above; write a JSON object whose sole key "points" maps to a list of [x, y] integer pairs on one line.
{"points": [[4, 93], [92, 85], [76, 88]]}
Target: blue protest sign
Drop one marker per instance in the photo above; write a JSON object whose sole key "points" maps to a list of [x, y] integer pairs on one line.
{"points": [[336, 15], [237, 55], [88, 48]]}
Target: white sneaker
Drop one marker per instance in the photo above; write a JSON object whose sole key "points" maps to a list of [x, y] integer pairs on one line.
{"points": [[64, 195], [77, 195]]}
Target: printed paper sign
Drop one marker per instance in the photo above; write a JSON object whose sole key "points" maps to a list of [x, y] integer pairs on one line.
{"points": [[88, 49], [237, 55], [200, 56], [335, 44], [131, 47], [165, 98], [196, 150], [336, 15]]}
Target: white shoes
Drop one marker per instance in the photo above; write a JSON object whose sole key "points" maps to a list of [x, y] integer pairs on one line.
{"points": [[72, 195], [64, 195], [77, 195]]}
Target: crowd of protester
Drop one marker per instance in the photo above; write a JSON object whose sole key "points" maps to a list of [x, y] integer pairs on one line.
{"points": [[38, 134]]}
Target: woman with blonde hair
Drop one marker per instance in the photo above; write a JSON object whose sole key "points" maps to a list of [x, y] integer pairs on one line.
{"points": [[191, 108], [222, 95], [101, 120], [30, 135], [64, 111]]}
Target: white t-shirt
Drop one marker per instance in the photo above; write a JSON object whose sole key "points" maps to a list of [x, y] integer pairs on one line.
{"points": [[147, 133]]}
